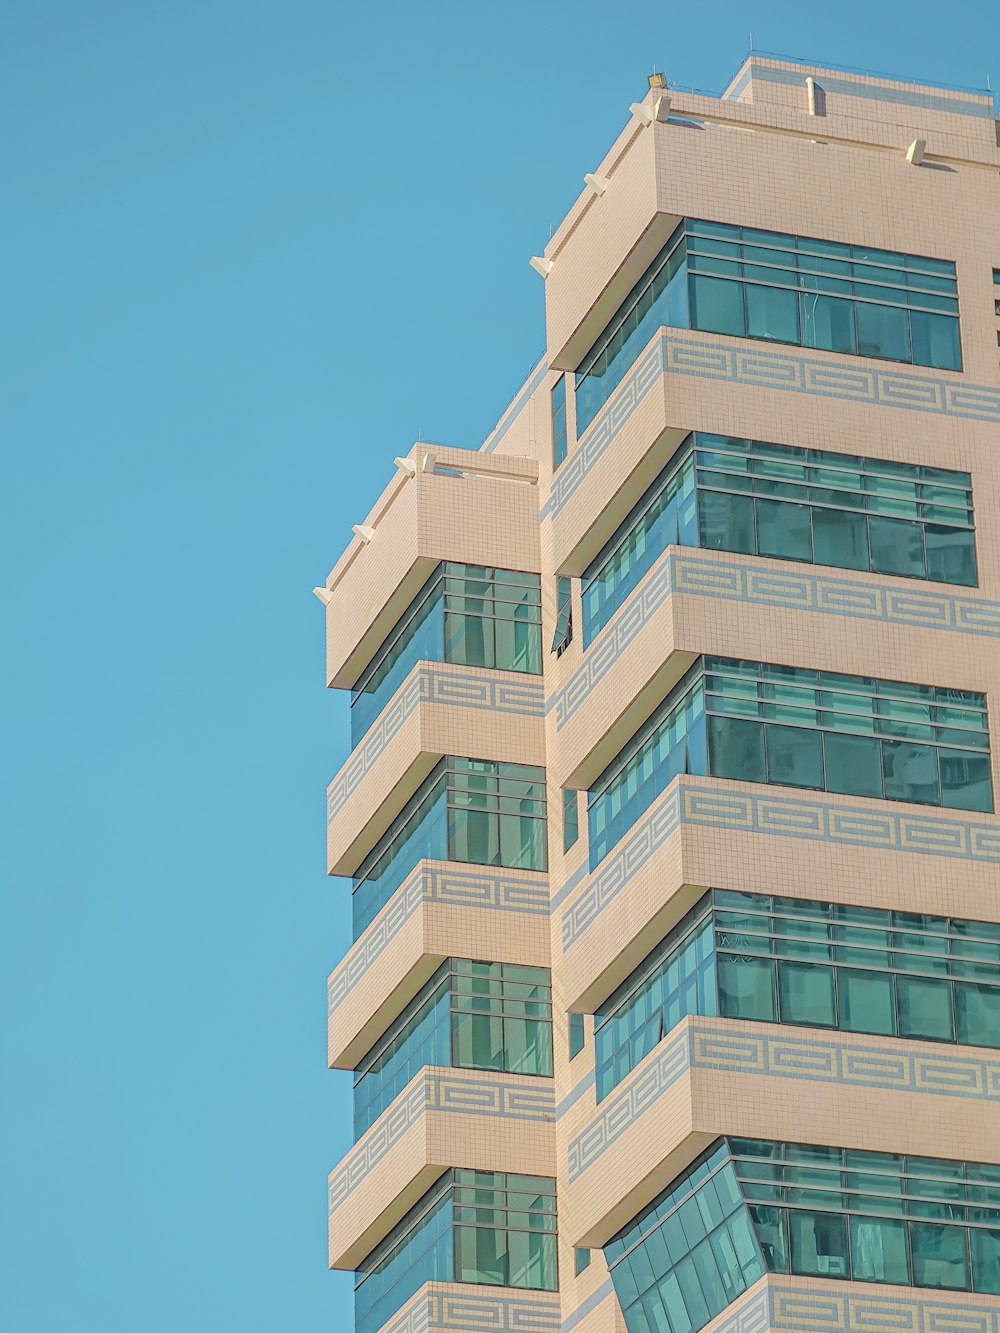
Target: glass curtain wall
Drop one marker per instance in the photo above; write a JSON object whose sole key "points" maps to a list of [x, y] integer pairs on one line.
{"points": [[794, 961], [779, 288], [470, 1015], [747, 1206], [747, 496], [469, 614], [471, 810], [473, 1226], [788, 726]]}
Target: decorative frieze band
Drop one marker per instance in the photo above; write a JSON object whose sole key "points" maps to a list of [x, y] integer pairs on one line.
{"points": [[437, 1307], [435, 683], [485, 1095], [728, 1046], [709, 803], [702, 574], [823, 1306], [448, 882], [763, 368]]}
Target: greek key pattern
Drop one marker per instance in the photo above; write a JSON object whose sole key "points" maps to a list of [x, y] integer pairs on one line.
{"points": [[765, 369], [701, 574], [816, 818], [701, 1044], [435, 683], [437, 882], [438, 1307], [487, 1095], [808, 1310]]}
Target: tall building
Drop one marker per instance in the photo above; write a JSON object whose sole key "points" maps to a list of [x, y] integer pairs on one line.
{"points": [[674, 1001]]}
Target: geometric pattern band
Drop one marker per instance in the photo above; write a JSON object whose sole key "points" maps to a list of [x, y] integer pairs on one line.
{"points": [[447, 882], [814, 818], [824, 1307], [702, 574], [438, 1307], [759, 367], [435, 683], [493, 1095], [730, 1047]]}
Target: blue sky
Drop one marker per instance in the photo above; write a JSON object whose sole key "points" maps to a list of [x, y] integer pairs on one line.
{"points": [[250, 251]]}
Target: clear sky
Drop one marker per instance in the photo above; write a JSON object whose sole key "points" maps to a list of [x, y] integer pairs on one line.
{"points": [[251, 249]]}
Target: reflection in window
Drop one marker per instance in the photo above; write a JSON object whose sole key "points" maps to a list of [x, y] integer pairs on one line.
{"points": [[472, 1226], [755, 722], [470, 1015], [750, 497], [472, 810], [559, 436], [747, 1206], [795, 961], [779, 288], [469, 614]]}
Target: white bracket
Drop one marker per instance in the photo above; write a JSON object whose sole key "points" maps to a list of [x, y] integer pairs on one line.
{"points": [[915, 152], [540, 265], [364, 532], [596, 183]]}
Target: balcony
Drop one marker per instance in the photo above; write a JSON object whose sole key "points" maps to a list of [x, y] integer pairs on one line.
{"points": [[451, 1307], [443, 1118], [714, 833], [499, 713], [783, 1304], [715, 1077], [695, 601], [685, 380], [477, 508], [427, 921]]}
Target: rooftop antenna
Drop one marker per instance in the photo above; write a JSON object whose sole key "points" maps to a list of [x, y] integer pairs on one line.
{"points": [[751, 41]]}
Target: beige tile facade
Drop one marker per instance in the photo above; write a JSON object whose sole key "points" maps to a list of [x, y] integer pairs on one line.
{"points": [[754, 156]]}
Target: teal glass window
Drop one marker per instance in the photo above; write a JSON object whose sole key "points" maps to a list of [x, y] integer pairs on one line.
{"points": [[469, 614], [577, 1035], [563, 636], [470, 1015], [658, 300], [689, 1253], [671, 742], [472, 1226], [843, 510], [788, 503], [747, 1206], [755, 722], [472, 810], [571, 817], [665, 516], [779, 288], [581, 1261], [796, 961], [559, 430]]}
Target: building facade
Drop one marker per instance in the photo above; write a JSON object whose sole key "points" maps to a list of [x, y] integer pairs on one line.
{"points": [[674, 1001]]}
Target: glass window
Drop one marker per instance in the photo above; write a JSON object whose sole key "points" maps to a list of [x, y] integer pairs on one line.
{"points": [[879, 1250], [464, 613], [772, 313], [795, 757], [866, 1002], [746, 988], [736, 749], [717, 305], [471, 810], [576, 1035], [571, 818], [853, 764], [563, 636], [828, 323], [940, 1256], [925, 1009], [819, 1244], [470, 1015], [581, 1261], [806, 994], [882, 332], [559, 430]]}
